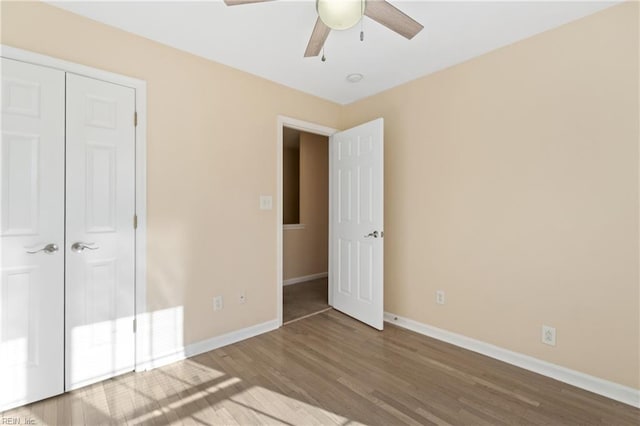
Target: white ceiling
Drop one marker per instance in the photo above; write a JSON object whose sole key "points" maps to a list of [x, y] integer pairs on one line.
{"points": [[269, 39]]}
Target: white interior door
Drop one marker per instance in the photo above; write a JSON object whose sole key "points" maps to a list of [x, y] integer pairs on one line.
{"points": [[32, 237], [356, 229], [100, 208]]}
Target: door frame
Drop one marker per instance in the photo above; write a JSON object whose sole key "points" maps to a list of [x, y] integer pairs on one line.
{"points": [[142, 356], [305, 126]]}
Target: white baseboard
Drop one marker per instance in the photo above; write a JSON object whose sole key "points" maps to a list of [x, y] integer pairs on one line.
{"points": [[593, 384], [202, 346], [230, 338], [305, 278]]}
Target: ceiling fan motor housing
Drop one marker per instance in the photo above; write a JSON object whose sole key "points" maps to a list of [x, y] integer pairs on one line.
{"points": [[340, 14]]}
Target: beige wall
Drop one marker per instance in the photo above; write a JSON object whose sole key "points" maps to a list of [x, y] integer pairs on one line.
{"points": [[206, 235], [512, 184], [305, 251]]}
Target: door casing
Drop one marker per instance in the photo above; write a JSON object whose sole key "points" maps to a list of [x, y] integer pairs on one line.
{"points": [[142, 355]]}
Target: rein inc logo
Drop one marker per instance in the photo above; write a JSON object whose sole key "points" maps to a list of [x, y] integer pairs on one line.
{"points": [[15, 420]]}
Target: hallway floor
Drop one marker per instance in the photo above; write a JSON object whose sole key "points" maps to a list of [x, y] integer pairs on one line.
{"points": [[303, 299]]}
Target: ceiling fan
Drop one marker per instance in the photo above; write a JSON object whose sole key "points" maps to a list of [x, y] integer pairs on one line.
{"points": [[344, 14]]}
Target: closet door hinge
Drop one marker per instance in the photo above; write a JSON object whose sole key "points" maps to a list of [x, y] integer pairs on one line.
{"points": [[135, 119], [135, 221]]}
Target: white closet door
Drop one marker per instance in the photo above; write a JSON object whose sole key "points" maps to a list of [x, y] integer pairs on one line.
{"points": [[100, 234], [32, 235]]}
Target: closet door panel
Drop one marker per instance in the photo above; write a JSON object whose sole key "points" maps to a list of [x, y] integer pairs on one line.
{"points": [[100, 235], [32, 233]]}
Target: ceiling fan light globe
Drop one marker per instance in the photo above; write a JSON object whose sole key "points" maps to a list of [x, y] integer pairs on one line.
{"points": [[340, 14]]}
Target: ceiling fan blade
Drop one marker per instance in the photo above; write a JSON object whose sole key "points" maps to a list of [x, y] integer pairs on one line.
{"points": [[239, 2], [391, 17], [318, 37]]}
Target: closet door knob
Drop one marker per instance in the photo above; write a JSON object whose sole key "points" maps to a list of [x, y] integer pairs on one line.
{"points": [[80, 246], [48, 249]]}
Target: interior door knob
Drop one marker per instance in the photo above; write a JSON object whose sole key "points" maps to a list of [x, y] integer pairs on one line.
{"points": [[79, 246], [373, 234]]}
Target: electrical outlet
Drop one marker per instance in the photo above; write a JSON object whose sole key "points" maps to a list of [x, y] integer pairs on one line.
{"points": [[218, 303], [440, 297], [548, 335], [242, 298]]}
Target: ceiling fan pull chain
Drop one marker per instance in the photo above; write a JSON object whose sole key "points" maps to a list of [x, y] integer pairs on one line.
{"points": [[324, 59]]}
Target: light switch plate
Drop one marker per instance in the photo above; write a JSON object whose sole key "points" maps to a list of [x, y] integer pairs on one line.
{"points": [[266, 202]]}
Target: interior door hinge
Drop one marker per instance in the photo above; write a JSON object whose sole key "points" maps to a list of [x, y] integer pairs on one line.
{"points": [[135, 119], [135, 221], [134, 325]]}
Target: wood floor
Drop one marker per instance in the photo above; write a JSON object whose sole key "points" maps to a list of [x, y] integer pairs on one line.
{"points": [[302, 299], [330, 369]]}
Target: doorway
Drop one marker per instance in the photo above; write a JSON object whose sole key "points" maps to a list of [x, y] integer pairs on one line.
{"points": [[356, 225], [304, 282], [305, 203]]}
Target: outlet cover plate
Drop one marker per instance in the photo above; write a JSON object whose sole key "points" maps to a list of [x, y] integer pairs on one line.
{"points": [[548, 335], [218, 303]]}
